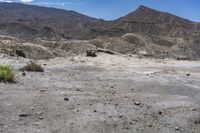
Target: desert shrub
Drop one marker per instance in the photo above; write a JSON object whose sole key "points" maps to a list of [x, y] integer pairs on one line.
{"points": [[33, 67], [6, 73]]}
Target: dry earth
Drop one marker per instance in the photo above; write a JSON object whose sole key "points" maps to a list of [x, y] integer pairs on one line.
{"points": [[106, 94]]}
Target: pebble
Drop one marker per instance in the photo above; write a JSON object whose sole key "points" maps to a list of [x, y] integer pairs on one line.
{"points": [[42, 90], [177, 128], [32, 108], [40, 118], [160, 112], [193, 109], [66, 99], [24, 115], [120, 116], [188, 74], [137, 103], [23, 74]]}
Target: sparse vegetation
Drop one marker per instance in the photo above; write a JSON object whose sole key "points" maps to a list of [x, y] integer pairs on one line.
{"points": [[33, 67], [6, 73]]}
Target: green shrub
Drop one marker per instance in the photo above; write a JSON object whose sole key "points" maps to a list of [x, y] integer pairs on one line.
{"points": [[33, 67], [6, 73]]}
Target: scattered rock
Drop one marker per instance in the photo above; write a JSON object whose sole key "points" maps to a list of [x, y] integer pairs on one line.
{"points": [[116, 104], [91, 53], [197, 122], [177, 128], [20, 52], [39, 113], [188, 74], [150, 124], [32, 108], [24, 115], [193, 109], [137, 103], [160, 112], [23, 74], [66, 99], [42, 90], [77, 89], [120, 116], [72, 107], [41, 118]]}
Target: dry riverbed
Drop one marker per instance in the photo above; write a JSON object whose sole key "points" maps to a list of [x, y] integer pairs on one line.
{"points": [[105, 94]]}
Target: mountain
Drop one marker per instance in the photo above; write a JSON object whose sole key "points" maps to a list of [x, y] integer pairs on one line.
{"points": [[150, 21], [28, 21], [145, 31]]}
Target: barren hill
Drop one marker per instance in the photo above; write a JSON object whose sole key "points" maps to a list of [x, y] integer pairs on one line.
{"points": [[150, 21], [29, 21], [145, 31]]}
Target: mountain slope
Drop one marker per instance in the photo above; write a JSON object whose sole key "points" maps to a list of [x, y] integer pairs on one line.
{"points": [[147, 20], [28, 21], [145, 31], [35, 20]]}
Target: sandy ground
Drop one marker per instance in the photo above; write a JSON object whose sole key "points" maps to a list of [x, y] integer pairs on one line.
{"points": [[106, 94]]}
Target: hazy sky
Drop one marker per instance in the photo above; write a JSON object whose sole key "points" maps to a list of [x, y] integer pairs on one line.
{"points": [[112, 9]]}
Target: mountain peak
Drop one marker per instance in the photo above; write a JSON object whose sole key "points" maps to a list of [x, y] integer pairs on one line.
{"points": [[145, 8]]}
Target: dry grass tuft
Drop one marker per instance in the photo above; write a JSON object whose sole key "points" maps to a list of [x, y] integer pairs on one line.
{"points": [[33, 67]]}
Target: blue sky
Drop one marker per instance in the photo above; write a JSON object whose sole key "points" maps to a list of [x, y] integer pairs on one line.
{"points": [[112, 9]]}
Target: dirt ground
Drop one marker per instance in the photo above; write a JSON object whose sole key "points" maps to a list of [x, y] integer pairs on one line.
{"points": [[105, 94]]}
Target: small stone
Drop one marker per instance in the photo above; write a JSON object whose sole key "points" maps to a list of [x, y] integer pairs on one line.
{"points": [[188, 74], [120, 116], [197, 122], [24, 115], [42, 90], [177, 128], [193, 109], [66, 99], [23, 74], [32, 108], [160, 112], [137, 103], [150, 125], [39, 113], [72, 107], [77, 89], [116, 104], [40, 118]]}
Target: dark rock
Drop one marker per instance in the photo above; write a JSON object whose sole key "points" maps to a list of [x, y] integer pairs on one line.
{"points": [[91, 53], [160, 112], [137, 103], [23, 74], [188, 74], [66, 99], [20, 53], [177, 128], [24, 115]]}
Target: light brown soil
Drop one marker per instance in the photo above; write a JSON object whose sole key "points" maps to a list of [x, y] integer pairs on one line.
{"points": [[106, 94]]}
